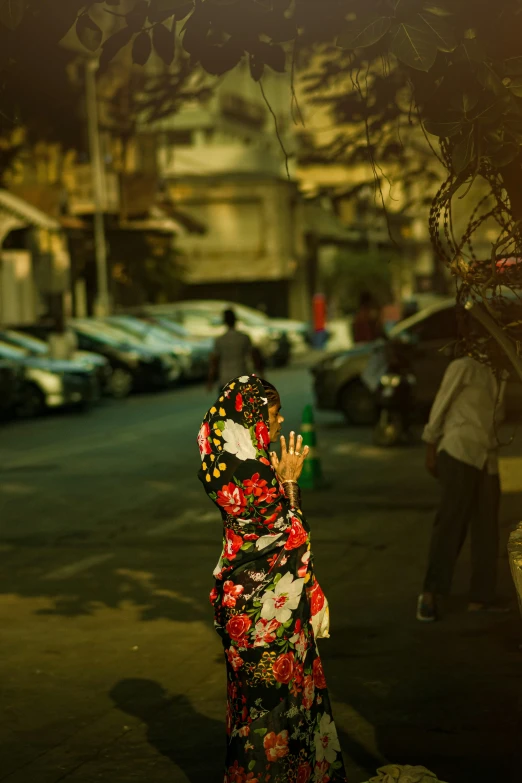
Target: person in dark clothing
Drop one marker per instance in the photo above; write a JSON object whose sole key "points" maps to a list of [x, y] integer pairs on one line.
{"points": [[233, 354], [462, 454], [367, 325]]}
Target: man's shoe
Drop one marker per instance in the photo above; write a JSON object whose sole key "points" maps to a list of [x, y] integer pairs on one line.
{"points": [[426, 612]]}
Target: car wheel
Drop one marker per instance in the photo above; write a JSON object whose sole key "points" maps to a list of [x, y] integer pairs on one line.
{"points": [[31, 402], [121, 383], [358, 404]]}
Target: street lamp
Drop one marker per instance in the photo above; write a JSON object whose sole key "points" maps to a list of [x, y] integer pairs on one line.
{"points": [[102, 305]]}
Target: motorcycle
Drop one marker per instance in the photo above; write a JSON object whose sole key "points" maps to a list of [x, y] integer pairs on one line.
{"points": [[395, 404]]}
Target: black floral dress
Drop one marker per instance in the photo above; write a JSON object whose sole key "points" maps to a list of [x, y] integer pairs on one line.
{"points": [[269, 608]]}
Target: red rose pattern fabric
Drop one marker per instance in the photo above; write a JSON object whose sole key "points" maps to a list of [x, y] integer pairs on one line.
{"points": [[278, 719]]}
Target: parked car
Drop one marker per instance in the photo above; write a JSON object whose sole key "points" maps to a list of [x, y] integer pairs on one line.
{"points": [[47, 383], [134, 367], [430, 334], [201, 347], [157, 337], [39, 347]]}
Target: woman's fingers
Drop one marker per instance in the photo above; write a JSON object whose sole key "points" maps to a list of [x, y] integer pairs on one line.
{"points": [[283, 447], [274, 460], [291, 443]]}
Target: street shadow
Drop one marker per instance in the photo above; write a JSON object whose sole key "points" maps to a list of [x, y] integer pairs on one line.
{"points": [[423, 690], [195, 743]]}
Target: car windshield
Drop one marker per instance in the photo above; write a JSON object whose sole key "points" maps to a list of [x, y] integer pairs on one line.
{"points": [[139, 329], [32, 344], [173, 328], [109, 336], [11, 352], [116, 334]]}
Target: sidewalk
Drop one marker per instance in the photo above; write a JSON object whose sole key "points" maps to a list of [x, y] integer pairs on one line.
{"points": [[112, 670]]}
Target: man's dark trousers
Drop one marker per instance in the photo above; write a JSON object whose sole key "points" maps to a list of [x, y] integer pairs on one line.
{"points": [[470, 501]]}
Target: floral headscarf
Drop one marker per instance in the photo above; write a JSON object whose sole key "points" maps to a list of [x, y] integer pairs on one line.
{"points": [[235, 430]]}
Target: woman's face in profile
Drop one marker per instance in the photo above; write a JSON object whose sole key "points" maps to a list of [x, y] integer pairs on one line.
{"points": [[275, 421]]}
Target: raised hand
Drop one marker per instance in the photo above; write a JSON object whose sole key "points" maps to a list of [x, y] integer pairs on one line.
{"points": [[290, 466]]}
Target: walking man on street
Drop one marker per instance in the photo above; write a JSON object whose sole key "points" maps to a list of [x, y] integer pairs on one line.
{"points": [[462, 454], [233, 354]]}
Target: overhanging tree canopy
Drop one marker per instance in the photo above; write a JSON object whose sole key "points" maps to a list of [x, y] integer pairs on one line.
{"points": [[460, 62]]}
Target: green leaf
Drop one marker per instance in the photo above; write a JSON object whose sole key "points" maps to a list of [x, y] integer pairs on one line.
{"points": [[137, 17], [442, 31], [257, 68], [274, 56], [114, 44], [515, 86], [247, 546], [261, 732], [444, 130], [364, 32], [414, 44], [513, 66], [490, 79], [464, 152], [280, 631], [141, 48], [505, 155], [183, 9], [465, 102], [163, 40], [469, 51], [251, 765], [217, 60], [277, 578], [88, 32], [437, 10], [160, 10], [487, 114], [12, 13]]}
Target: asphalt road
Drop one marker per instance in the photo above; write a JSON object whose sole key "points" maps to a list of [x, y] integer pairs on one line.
{"points": [[109, 664]]}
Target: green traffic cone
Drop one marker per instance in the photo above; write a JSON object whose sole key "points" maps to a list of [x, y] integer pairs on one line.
{"points": [[312, 475]]}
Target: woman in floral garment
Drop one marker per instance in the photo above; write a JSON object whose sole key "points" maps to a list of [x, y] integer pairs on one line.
{"points": [[269, 608]]}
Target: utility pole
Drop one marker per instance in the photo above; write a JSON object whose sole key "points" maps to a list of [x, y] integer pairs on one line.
{"points": [[98, 187]]}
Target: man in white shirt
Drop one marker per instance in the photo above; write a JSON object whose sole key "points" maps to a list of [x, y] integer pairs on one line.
{"points": [[462, 454]]}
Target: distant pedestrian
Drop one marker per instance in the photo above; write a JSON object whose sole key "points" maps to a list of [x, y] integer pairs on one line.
{"points": [[367, 325], [233, 354], [61, 339], [462, 453]]}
